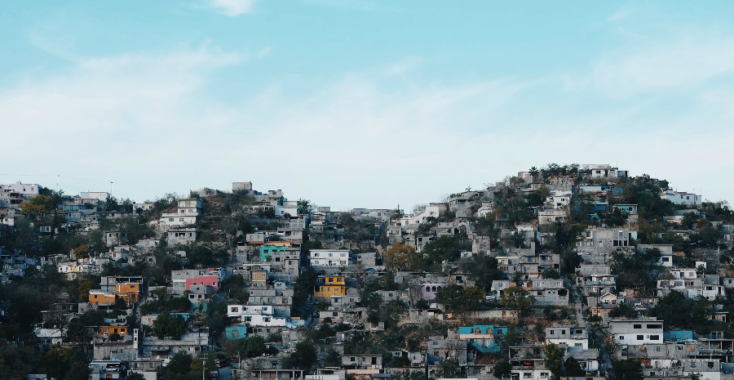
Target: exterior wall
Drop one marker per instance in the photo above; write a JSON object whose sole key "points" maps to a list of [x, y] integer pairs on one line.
{"points": [[129, 292], [101, 298], [482, 337], [212, 281], [239, 186], [107, 330], [332, 286], [266, 251], [329, 257], [428, 291], [428, 212], [98, 195], [682, 198], [636, 333], [236, 332]]}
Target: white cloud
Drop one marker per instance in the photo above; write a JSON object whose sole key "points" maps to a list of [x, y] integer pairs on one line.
{"points": [[232, 7], [670, 65], [149, 121], [404, 65]]}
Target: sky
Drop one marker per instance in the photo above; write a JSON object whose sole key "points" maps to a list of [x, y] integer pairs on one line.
{"points": [[360, 103]]}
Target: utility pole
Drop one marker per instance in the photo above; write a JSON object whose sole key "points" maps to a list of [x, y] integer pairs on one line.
{"points": [[203, 369]]}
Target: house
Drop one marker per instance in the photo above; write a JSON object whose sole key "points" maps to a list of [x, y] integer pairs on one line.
{"points": [[682, 198], [329, 257], [115, 237], [97, 297], [483, 337], [420, 216], [99, 196], [240, 186], [635, 332], [548, 292], [604, 171], [182, 236], [330, 286], [266, 251], [551, 216], [192, 342], [259, 278], [429, 290], [362, 361], [571, 336], [184, 278], [146, 206]]}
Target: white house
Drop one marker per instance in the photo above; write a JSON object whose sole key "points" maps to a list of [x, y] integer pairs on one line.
{"points": [[287, 207], [682, 198], [637, 332], [329, 257], [569, 335], [420, 216], [98, 195]]}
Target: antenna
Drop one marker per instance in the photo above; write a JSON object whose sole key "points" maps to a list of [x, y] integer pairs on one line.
{"points": [[111, 187]]}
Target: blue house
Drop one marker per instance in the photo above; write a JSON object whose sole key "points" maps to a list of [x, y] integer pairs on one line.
{"points": [[267, 250], [483, 337], [678, 335], [235, 332]]}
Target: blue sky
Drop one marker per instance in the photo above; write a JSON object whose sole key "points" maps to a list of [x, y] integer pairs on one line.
{"points": [[358, 103]]}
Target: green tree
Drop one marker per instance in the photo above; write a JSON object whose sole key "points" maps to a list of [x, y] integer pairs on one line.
{"points": [[179, 365], [572, 367], [304, 357], [627, 369], [517, 298], [553, 358], [502, 368], [169, 325], [551, 273], [252, 346], [135, 375], [689, 220], [333, 358]]}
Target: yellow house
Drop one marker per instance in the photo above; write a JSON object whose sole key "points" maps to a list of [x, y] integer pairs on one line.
{"points": [[330, 286], [107, 330], [286, 244], [97, 297], [130, 292]]}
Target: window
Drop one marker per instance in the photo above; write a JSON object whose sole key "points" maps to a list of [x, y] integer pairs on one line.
{"points": [[636, 326], [654, 326], [640, 337], [552, 332]]}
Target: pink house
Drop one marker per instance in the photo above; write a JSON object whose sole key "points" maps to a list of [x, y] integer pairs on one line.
{"points": [[212, 281]]}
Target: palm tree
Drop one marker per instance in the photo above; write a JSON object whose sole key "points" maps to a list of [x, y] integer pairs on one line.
{"points": [[534, 172]]}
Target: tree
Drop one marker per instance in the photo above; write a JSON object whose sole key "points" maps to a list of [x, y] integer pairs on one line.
{"points": [[333, 358], [517, 298], [534, 172], [551, 273], [400, 256], [422, 304], [689, 220], [572, 367], [57, 361], [81, 252], [40, 204], [627, 369], [305, 355], [168, 325], [502, 368], [553, 358], [114, 337], [179, 365], [703, 223], [252, 346], [135, 375]]}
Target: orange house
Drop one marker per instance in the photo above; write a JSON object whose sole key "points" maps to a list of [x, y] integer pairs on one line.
{"points": [[97, 297], [130, 292], [107, 330]]}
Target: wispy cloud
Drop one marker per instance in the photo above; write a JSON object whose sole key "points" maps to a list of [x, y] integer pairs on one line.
{"points": [[404, 65], [232, 7]]}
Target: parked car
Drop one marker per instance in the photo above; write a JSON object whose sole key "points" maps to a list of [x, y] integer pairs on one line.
{"points": [[221, 363]]}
